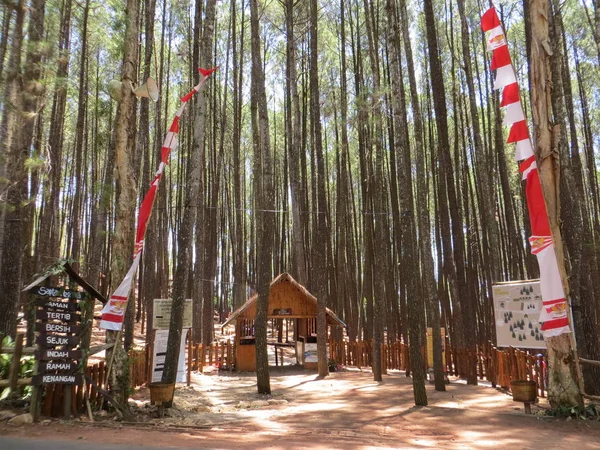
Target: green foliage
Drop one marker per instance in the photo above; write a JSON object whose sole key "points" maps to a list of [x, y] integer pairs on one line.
{"points": [[25, 370], [5, 358], [589, 412]]}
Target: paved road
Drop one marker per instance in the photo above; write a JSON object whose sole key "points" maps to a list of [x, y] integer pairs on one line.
{"points": [[10, 443]]}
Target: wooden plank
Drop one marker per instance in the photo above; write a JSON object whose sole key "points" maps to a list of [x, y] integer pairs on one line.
{"points": [[589, 361], [69, 317], [99, 348], [46, 291], [20, 382], [57, 328], [65, 366], [56, 379], [57, 305], [52, 354], [24, 351], [53, 340]]}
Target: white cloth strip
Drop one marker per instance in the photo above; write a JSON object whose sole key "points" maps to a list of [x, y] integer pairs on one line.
{"points": [[513, 113], [523, 150], [504, 76]]}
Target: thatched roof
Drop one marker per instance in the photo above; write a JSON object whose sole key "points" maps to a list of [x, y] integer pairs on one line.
{"points": [[283, 277]]}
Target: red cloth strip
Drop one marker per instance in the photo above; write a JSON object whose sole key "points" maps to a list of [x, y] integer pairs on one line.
{"points": [[538, 216], [112, 317], [175, 125], [489, 19], [500, 57], [187, 97], [518, 132], [556, 323], [207, 72], [553, 302], [510, 94]]}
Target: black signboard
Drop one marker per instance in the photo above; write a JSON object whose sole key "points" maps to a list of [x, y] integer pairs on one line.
{"points": [[282, 312], [45, 291], [64, 366], [54, 340], [53, 378], [53, 354], [57, 328], [58, 315], [57, 305]]}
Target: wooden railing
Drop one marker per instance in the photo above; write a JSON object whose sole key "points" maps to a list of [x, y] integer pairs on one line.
{"points": [[221, 355], [499, 367], [53, 399]]}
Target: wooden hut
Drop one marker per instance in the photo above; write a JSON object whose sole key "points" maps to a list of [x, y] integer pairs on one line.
{"points": [[288, 299]]}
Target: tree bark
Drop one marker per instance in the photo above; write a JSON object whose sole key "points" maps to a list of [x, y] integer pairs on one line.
{"points": [[14, 187], [320, 253], [264, 201], [123, 238], [563, 389], [193, 181]]}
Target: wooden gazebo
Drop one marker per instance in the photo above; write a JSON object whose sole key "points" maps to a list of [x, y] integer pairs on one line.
{"points": [[288, 299]]}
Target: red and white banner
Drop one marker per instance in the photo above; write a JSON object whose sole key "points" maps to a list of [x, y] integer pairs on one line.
{"points": [[554, 315], [114, 310]]}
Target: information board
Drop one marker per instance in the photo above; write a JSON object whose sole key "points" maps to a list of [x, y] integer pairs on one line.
{"points": [[159, 353], [517, 307], [310, 353], [430, 346], [161, 315]]}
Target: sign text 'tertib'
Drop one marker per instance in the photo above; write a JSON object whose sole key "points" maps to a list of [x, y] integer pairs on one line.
{"points": [[53, 378], [53, 340], [58, 315], [53, 354], [45, 291], [56, 328]]}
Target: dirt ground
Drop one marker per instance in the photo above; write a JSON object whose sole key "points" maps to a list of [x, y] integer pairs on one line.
{"points": [[345, 410]]}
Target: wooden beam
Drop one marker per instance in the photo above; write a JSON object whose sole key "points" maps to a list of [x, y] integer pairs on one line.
{"points": [[589, 361], [20, 382]]}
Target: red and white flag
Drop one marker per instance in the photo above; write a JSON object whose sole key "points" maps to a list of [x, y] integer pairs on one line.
{"points": [[114, 310], [554, 315]]}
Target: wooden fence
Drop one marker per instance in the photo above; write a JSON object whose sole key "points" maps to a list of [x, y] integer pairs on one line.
{"points": [[54, 394], [53, 402], [499, 367], [221, 355]]}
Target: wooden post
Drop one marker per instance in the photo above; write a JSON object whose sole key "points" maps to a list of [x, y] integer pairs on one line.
{"points": [[15, 365], [36, 396], [190, 346]]}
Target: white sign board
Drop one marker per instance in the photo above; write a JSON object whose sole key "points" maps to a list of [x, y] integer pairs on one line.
{"points": [[517, 307], [159, 353], [161, 314], [310, 353]]}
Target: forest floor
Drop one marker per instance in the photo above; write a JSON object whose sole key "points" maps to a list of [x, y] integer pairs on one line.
{"points": [[345, 410]]}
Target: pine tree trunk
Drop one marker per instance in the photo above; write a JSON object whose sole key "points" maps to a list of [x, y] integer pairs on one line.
{"points": [[123, 238], [319, 261], [563, 389], [264, 201], [79, 143], [428, 270], [14, 186], [239, 253], [193, 188]]}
